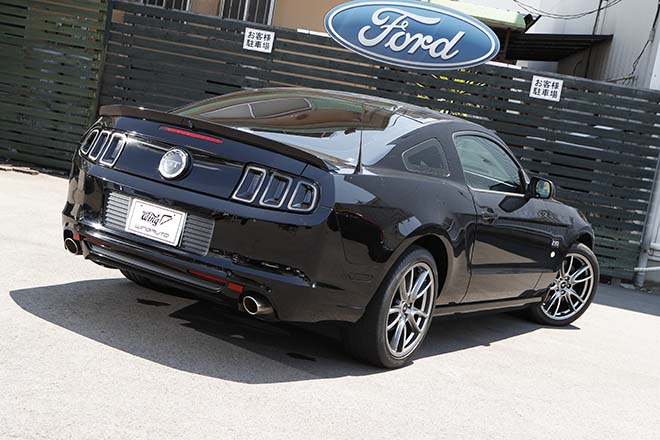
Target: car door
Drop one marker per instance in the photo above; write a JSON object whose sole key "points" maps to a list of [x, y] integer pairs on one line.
{"points": [[515, 235]]}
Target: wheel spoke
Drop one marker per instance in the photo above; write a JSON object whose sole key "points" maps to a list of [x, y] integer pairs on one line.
{"points": [[418, 285], [414, 311], [423, 290], [564, 271], [402, 290], [558, 305], [583, 279], [578, 273], [394, 310], [409, 283], [570, 303], [574, 294], [394, 343], [413, 324], [391, 325], [552, 300]]}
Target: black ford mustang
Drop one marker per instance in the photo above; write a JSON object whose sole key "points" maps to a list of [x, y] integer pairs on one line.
{"points": [[306, 205]]}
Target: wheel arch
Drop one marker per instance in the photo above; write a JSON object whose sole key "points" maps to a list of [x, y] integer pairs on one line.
{"points": [[433, 241], [586, 239], [437, 248]]}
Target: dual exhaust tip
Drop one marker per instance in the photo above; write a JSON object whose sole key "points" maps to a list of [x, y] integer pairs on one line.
{"points": [[256, 305]]}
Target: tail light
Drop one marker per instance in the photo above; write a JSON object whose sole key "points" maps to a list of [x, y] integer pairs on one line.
{"points": [[276, 190], [301, 195], [88, 141], [98, 145], [252, 181], [104, 145], [113, 150], [304, 197]]}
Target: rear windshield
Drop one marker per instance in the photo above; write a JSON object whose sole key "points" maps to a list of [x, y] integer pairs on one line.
{"points": [[327, 126]]}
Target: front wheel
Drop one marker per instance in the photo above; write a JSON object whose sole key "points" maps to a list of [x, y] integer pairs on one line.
{"points": [[572, 291], [399, 316]]}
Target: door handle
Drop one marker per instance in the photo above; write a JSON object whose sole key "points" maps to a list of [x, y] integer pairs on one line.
{"points": [[489, 215]]}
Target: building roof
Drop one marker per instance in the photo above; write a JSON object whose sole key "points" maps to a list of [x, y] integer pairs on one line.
{"points": [[521, 45], [493, 17]]}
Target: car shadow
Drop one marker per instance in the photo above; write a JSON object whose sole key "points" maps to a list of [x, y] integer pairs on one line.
{"points": [[216, 341]]}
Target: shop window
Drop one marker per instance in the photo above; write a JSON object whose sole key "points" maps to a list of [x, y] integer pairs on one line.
{"points": [[254, 11], [178, 5]]}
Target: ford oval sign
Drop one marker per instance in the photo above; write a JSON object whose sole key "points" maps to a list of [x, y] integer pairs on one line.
{"points": [[412, 34]]}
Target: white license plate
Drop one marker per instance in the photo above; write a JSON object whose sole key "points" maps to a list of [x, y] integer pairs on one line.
{"points": [[155, 222]]}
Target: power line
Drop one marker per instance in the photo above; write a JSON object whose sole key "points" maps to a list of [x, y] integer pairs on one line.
{"points": [[648, 41], [532, 10]]}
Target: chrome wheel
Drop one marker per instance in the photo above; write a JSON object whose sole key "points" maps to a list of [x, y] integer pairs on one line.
{"points": [[570, 291], [410, 310]]}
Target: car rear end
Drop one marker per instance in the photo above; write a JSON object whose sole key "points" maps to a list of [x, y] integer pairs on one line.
{"points": [[247, 215]]}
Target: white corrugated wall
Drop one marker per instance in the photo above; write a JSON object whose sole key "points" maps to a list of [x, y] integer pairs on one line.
{"points": [[629, 21]]}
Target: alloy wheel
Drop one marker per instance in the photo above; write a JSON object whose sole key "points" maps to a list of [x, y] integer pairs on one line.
{"points": [[570, 291], [409, 314]]}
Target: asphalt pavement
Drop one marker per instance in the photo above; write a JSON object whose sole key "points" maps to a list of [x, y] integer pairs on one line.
{"points": [[85, 354]]}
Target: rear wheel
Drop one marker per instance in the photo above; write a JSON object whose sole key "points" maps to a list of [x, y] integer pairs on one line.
{"points": [[399, 316], [572, 291]]}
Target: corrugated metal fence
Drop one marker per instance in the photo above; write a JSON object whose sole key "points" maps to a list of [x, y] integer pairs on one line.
{"points": [[599, 144]]}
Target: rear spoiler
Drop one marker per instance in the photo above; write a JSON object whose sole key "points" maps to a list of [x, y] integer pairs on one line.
{"points": [[211, 128]]}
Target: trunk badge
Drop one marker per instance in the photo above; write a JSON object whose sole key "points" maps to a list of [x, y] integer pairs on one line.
{"points": [[173, 163]]}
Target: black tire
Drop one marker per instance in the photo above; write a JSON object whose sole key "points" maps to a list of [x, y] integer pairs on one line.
{"points": [[536, 312], [367, 340]]}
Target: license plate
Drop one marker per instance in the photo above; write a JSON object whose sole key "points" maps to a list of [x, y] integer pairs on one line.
{"points": [[155, 222]]}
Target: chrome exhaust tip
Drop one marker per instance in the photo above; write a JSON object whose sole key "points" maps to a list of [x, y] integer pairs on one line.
{"points": [[72, 246], [255, 305]]}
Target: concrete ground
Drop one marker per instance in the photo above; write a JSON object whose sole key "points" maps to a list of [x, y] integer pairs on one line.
{"points": [[86, 354]]}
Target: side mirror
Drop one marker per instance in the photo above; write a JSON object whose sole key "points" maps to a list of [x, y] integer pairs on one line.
{"points": [[540, 188]]}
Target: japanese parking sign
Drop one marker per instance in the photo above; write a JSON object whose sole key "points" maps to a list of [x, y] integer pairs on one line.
{"points": [[258, 40], [546, 88]]}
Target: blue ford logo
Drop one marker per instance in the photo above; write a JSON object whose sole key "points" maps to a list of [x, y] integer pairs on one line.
{"points": [[412, 34]]}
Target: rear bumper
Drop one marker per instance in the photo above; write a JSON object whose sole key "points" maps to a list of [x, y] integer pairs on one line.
{"points": [[303, 280]]}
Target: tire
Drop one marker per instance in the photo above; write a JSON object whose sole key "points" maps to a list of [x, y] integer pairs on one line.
{"points": [[576, 258], [370, 340]]}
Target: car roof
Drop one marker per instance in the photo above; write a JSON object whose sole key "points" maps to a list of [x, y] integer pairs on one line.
{"points": [[330, 124], [420, 114]]}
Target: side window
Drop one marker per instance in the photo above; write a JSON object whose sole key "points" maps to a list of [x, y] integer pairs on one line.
{"points": [[426, 158], [486, 165]]}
